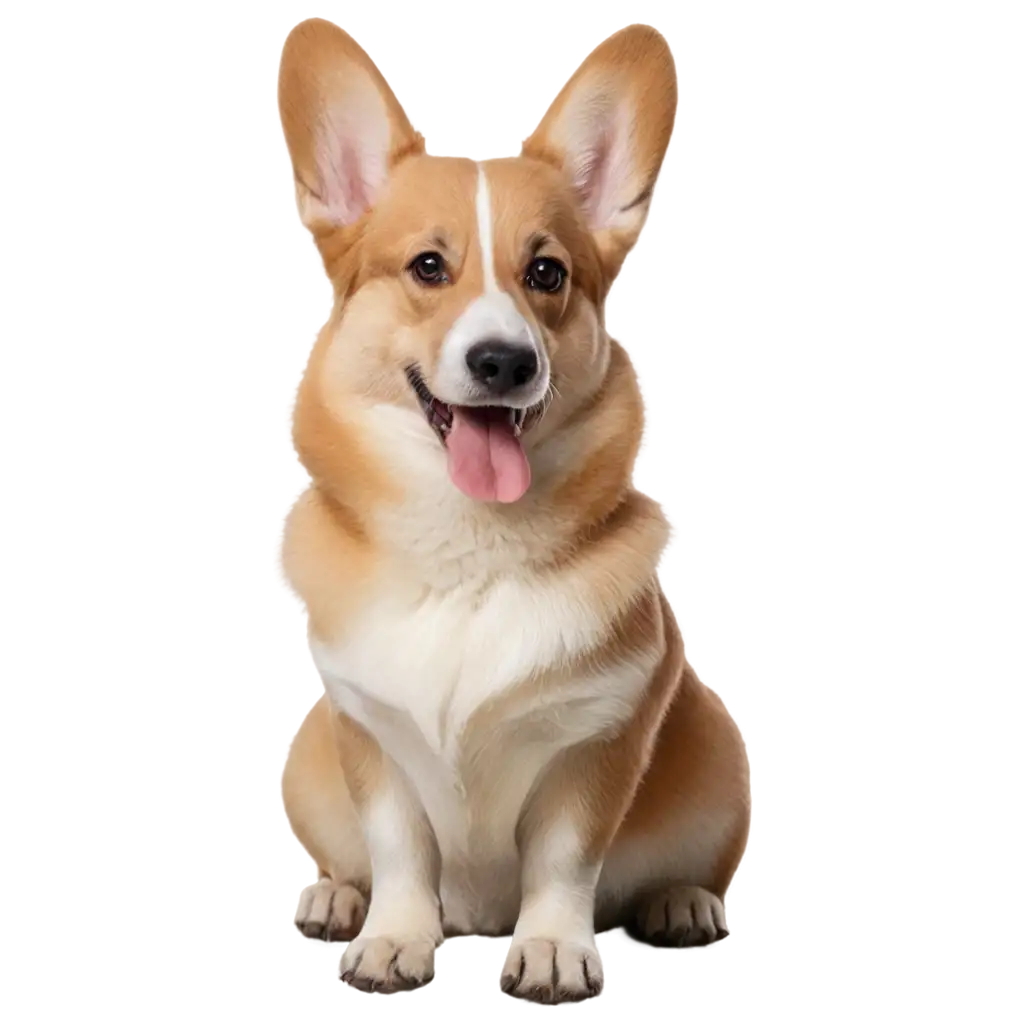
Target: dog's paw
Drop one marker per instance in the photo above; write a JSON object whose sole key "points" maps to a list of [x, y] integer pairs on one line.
{"points": [[549, 971], [331, 912], [681, 915], [381, 964]]}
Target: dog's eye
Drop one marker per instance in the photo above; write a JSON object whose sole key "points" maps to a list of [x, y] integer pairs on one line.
{"points": [[545, 274], [428, 268]]}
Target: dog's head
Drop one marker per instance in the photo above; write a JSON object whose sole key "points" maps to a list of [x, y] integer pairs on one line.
{"points": [[471, 293]]}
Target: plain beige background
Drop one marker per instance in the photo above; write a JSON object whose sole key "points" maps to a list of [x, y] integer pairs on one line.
{"points": [[825, 311]]}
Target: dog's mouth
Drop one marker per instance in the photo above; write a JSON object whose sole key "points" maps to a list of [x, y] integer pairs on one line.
{"points": [[440, 415], [486, 459]]}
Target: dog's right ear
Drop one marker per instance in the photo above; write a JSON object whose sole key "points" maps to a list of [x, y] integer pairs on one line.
{"points": [[344, 128]]}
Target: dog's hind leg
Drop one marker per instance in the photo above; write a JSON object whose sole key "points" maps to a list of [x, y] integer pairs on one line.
{"points": [[324, 819], [671, 861]]}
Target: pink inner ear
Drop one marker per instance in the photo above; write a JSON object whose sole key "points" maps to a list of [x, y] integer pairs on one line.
{"points": [[591, 173], [597, 138], [352, 154], [348, 193]]}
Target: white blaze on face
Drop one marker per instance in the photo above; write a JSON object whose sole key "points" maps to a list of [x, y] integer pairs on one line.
{"points": [[485, 230], [492, 316]]}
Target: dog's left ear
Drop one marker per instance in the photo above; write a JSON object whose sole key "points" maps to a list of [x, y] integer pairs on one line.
{"points": [[608, 130]]}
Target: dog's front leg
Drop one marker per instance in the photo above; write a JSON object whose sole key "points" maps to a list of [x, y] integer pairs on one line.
{"points": [[395, 948], [562, 837]]}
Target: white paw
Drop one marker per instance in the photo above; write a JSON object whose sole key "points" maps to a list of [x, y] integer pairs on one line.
{"points": [[550, 971], [334, 913], [388, 964], [681, 915]]}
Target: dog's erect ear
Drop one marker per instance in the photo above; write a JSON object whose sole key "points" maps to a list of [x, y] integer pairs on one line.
{"points": [[345, 129], [609, 129]]}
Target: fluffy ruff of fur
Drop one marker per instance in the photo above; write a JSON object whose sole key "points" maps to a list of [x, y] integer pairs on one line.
{"points": [[511, 741]]}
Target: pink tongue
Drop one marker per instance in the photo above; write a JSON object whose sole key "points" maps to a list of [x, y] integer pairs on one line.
{"points": [[485, 459]]}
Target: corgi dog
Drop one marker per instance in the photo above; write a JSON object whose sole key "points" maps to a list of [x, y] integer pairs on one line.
{"points": [[510, 741]]}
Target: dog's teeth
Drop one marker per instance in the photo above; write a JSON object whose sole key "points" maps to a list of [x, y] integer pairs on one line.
{"points": [[515, 419], [441, 411]]}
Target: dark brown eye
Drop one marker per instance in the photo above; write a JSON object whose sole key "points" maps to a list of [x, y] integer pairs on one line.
{"points": [[545, 274], [428, 268]]}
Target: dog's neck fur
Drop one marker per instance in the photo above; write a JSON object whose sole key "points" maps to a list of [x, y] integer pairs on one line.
{"points": [[430, 530]]}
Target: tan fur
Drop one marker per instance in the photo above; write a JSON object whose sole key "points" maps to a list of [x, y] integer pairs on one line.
{"points": [[319, 803], [698, 760], [642, 817], [596, 487]]}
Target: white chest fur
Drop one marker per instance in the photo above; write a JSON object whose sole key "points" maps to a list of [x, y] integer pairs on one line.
{"points": [[417, 664]]}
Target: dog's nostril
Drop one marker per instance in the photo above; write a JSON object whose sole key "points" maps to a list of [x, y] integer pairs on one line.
{"points": [[521, 374], [501, 366]]}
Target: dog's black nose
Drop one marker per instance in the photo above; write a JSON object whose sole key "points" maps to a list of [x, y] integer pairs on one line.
{"points": [[500, 367]]}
